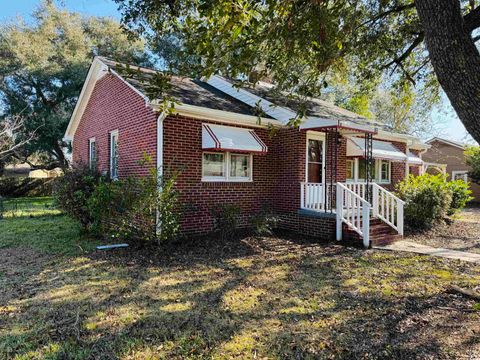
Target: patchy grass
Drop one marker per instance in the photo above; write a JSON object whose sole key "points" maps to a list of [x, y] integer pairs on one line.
{"points": [[29, 207], [36, 223], [275, 297]]}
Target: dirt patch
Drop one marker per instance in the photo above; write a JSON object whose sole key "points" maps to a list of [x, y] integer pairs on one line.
{"points": [[463, 234]]}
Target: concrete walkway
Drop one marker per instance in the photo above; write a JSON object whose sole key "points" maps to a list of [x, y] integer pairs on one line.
{"points": [[412, 247]]}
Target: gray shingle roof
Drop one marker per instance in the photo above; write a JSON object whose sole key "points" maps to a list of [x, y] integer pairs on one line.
{"points": [[184, 90]]}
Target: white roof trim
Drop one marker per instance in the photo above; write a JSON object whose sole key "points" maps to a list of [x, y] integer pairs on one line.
{"points": [[381, 149], [445, 141], [97, 70], [229, 138], [220, 116]]}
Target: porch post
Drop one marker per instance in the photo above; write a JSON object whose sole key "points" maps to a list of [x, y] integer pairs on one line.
{"points": [[339, 211]]}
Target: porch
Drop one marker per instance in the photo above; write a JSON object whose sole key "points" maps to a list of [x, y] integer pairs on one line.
{"points": [[349, 203], [349, 175]]}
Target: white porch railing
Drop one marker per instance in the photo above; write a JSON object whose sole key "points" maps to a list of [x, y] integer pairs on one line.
{"points": [[387, 207], [352, 210], [352, 206], [313, 196]]}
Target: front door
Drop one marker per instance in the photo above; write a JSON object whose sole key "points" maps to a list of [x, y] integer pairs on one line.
{"points": [[315, 160]]}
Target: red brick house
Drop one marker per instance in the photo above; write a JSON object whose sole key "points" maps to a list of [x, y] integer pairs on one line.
{"points": [[314, 176]]}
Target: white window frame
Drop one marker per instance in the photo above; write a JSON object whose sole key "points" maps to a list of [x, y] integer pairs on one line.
{"points": [[379, 179], [315, 136], [113, 134], [460, 172], [226, 168], [91, 159], [378, 168], [354, 169]]}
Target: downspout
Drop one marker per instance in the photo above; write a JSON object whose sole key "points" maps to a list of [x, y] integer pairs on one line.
{"points": [[159, 164]]}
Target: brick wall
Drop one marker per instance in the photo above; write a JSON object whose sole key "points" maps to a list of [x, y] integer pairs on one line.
{"points": [[183, 152], [398, 168], [114, 105], [415, 169]]}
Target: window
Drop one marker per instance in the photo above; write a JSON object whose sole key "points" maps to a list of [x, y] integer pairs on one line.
{"points": [[92, 156], [226, 167], [362, 170], [460, 175], [384, 169], [350, 170], [239, 166], [380, 170], [214, 165], [114, 154]]}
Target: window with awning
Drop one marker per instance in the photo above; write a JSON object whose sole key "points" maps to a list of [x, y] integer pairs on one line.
{"points": [[231, 139], [380, 149]]}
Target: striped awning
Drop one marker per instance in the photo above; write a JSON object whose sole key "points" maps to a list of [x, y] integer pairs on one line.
{"points": [[380, 149], [229, 138]]}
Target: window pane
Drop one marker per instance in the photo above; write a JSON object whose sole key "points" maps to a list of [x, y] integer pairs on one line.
{"points": [[385, 171], [114, 156], [350, 169], [240, 166], [92, 154], [315, 150], [361, 169], [213, 165]]}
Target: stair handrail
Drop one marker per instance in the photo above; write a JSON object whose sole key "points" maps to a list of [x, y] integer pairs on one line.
{"points": [[387, 207], [351, 209]]}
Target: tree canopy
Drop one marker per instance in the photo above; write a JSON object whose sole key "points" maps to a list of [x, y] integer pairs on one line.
{"points": [[43, 65], [303, 45]]}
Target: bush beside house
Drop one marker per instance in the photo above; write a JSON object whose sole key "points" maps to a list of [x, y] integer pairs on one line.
{"points": [[125, 209], [430, 199]]}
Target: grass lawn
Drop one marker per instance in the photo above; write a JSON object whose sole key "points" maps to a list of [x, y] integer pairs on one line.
{"points": [[274, 297]]}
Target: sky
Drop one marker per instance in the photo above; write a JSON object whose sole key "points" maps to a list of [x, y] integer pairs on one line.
{"points": [[449, 126]]}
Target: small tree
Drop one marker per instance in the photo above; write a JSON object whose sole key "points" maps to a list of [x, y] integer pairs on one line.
{"points": [[472, 156]]}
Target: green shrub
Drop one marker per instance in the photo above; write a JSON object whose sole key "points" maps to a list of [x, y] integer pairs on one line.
{"points": [[264, 222], [427, 199], [460, 195], [73, 190], [128, 209], [226, 218]]}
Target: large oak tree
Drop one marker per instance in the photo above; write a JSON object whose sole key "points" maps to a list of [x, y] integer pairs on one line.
{"points": [[302, 44], [43, 64]]}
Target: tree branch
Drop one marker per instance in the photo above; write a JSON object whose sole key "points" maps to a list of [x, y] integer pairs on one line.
{"points": [[472, 20], [388, 12], [398, 60]]}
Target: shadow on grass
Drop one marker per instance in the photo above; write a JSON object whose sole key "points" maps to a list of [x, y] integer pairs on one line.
{"points": [[272, 297]]}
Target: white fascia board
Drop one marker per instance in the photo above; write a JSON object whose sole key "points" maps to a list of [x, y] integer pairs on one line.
{"points": [[445, 141], [220, 116], [97, 70], [314, 122], [277, 112]]}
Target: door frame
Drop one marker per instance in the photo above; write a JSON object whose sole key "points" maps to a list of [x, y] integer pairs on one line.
{"points": [[315, 136]]}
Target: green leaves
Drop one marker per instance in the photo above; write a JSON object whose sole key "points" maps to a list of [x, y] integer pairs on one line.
{"points": [[44, 68]]}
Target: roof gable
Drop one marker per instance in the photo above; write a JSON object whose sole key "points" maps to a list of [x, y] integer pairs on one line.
{"points": [[447, 142]]}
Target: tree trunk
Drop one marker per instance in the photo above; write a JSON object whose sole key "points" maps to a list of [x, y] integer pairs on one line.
{"points": [[454, 57]]}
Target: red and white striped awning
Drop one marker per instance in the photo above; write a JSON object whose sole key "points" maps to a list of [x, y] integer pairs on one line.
{"points": [[229, 138]]}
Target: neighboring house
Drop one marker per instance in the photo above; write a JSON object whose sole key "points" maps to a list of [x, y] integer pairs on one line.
{"points": [[447, 155], [314, 177]]}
